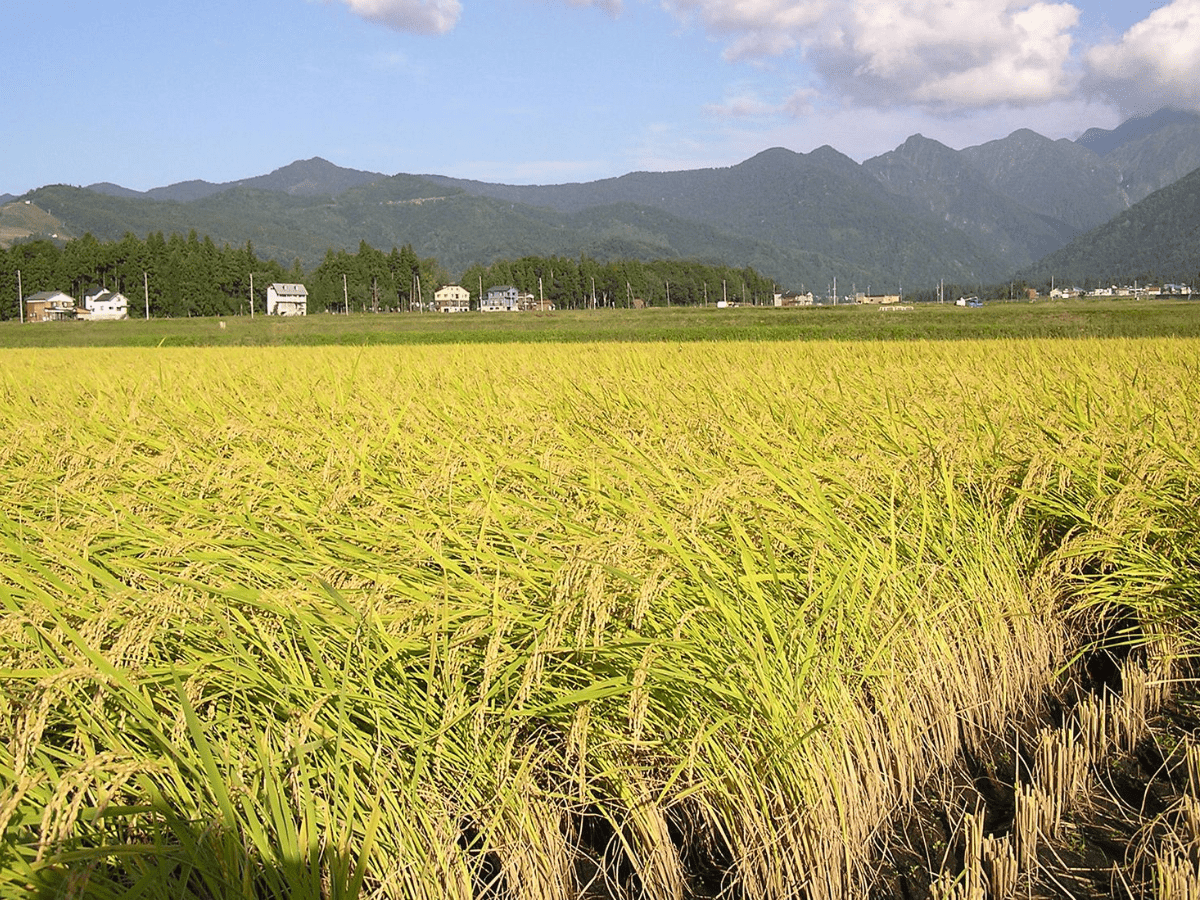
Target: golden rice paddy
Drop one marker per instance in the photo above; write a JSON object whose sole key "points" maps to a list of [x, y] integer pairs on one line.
{"points": [[542, 622]]}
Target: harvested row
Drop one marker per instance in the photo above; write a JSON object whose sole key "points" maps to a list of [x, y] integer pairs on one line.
{"points": [[464, 622]]}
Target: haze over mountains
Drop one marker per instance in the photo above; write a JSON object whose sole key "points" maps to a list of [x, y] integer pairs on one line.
{"points": [[905, 219]]}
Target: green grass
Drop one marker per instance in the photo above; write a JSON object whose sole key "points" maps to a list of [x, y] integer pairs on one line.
{"points": [[1067, 319]]}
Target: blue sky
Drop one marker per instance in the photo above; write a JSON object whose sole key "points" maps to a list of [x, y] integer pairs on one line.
{"points": [[146, 93]]}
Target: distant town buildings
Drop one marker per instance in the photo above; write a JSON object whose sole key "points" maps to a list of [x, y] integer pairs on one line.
{"points": [[288, 299]]}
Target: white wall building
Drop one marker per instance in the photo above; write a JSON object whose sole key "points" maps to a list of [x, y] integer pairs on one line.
{"points": [[287, 300], [102, 304], [452, 298]]}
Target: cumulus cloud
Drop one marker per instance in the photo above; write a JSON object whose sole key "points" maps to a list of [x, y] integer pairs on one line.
{"points": [[754, 27], [418, 16], [1155, 63], [939, 53]]}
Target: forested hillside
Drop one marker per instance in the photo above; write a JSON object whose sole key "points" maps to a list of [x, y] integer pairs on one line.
{"points": [[904, 221], [1155, 240]]}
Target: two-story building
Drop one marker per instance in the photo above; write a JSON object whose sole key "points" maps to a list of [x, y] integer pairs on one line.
{"points": [[287, 300], [502, 298], [49, 306], [452, 298], [103, 304]]}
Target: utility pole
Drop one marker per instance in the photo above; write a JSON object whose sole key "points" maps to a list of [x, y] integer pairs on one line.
{"points": [[252, 295], [20, 298], [345, 294], [146, 292], [668, 294]]}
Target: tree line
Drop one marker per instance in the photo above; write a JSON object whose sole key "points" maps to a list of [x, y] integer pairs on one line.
{"points": [[181, 276]]}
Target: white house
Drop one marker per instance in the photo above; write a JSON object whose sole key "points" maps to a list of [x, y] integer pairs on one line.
{"points": [[452, 298], [287, 300], [102, 304], [502, 298]]}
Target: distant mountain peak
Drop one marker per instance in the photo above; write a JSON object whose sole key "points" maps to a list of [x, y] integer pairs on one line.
{"points": [[1103, 141], [919, 139], [775, 153], [313, 177], [918, 144]]}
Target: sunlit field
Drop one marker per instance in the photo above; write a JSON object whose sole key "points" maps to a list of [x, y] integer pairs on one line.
{"points": [[656, 619]]}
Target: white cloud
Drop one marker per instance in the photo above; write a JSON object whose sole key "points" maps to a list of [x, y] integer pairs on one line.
{"points": [[747, 104], [756, 28], [743, 107], [726, 16], [612, 7], [438, 16], [966, 53], [800, 103], [418, 16], [939, 53], [1155, 63]]}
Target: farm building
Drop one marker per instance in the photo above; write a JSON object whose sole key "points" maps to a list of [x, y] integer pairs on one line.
{"points": [[287, 300], [452, 298], [531, 303], [794, 299]]}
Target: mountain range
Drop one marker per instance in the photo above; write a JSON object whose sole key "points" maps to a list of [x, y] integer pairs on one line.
{"points": [[904, 219]]}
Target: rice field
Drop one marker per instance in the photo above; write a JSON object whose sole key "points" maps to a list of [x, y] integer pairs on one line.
{"points": [[597, 620]]}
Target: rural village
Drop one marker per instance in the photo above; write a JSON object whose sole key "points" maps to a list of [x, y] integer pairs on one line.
{"points": [[289, 299]]}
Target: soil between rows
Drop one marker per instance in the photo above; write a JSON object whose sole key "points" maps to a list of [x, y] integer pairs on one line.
{"points": [[1110, 835]]}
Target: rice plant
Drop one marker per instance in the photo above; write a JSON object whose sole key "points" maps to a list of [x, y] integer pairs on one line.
{"points": [[597, 620]]}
